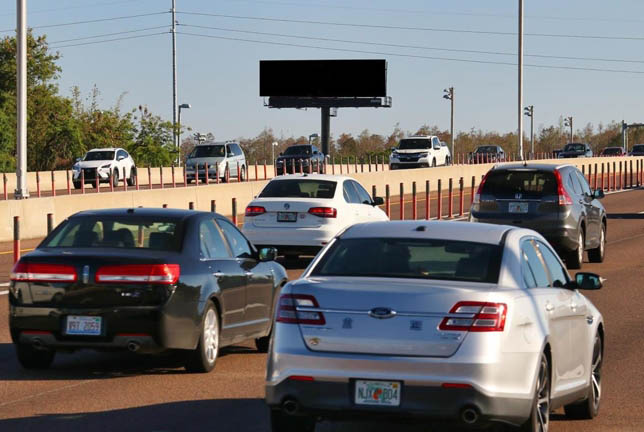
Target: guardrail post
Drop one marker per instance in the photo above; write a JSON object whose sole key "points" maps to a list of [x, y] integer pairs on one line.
{"points": [[53, 184], [265, 173], [174, 183], [16, 239], [37, 184], [164, 206], [619, 186], [341, 170], [630, 170], [428, 210], [382, 162], [439, 211], [82, 177], [450, 195], [213, 206], [472, 190], [414, 202], [402, 202], [256, 171], [50, 223], [149, 177], [460, 199], [216, 173], [235, 211], [4, 184], [361, 164], [207, 172], [161, 177], [191, 205], [602, 182], [111, 179], [595, 178], [355, 164], [69, 186], [373, 192], [97, 183], [125, 181], [608, 176], [614, 175], [387, 201]]}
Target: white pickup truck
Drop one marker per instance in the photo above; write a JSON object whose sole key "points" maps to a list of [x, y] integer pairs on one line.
{"points": [[419, 152]]}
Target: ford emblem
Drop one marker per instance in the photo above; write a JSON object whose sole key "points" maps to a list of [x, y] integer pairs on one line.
{"points": [[382, 313]]}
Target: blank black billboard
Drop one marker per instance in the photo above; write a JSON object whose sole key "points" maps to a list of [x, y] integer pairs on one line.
{"points": [[323, 78]]}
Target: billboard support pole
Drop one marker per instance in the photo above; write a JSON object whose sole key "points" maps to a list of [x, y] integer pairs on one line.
{"points": [[325, 129]]}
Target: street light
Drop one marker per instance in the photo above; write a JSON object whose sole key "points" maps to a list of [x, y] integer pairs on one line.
{"points": [[449, 94], [182, 106], [314, 135], [529, 111], [568, 122], [275, 144]]}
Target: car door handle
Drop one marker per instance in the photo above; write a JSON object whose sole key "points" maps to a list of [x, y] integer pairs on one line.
{"points": [[549, 307], [218, 274]]}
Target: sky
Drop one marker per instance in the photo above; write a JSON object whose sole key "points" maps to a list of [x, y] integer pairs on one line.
{"points": [[218, 59]]}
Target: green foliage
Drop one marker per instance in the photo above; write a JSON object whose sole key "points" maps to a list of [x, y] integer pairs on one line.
{"points": [[153, 145]]}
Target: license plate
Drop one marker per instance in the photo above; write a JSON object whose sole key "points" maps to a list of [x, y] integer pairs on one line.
{"points": [[286, 216], [83, 325], [518, 207], [378, 393]]}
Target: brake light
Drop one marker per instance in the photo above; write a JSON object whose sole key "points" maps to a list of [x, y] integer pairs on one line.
{"points": [[477, 196], [324, 212], [255, 211], [39, 272], [564, 197], [166, 274], [290, 310], [477, 317]]}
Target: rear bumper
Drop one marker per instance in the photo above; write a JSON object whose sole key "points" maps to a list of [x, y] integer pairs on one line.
{"points": [[295, 237]]}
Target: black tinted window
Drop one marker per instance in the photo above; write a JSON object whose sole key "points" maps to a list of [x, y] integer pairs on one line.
{"points": [[528, 183], [638, 148], [486, 149], [99, 155], [412, 258], [575, 147], [238, 151], [299, 188], [413, 144], [298, 150], [203, 151]]}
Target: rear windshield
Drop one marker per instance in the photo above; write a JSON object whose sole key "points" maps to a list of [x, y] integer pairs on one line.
{"points": [[638, 148], [299, 188], [412, 258], [413, 144], [527, 183], [204, 151], [575, 147], [613, 150], [108, 232], [298, 150], [486, 149], [99, 155]]}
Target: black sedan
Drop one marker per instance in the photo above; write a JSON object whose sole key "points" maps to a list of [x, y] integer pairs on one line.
{"points": [[576, 150], [300, 158], [487, 154], [145, 280]]}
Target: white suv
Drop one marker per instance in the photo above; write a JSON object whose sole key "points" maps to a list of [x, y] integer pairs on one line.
{"points": [[106, 163], [418, 152]]}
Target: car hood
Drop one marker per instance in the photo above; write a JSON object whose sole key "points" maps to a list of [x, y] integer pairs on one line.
{"points": [[413, 151], [93, 164], [294, 156]]}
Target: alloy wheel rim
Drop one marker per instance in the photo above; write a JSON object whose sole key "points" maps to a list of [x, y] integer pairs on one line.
{"points": [[602, 241], [211, 336], [543, 397], [596, 372]]}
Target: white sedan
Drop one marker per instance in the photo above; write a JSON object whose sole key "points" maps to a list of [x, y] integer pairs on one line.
{"points": [[300, 214]]}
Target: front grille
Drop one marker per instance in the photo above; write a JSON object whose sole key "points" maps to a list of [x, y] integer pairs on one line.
{"points": [[90, 173]]}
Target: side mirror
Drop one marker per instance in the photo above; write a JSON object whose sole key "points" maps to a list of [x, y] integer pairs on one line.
{"points": [[598, 194], [378, 201], [588, 281], [79, 159], [120, 158], [267, 254]]}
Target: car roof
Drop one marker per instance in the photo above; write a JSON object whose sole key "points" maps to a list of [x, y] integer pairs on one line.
{"points": [[327, 177], [105, 149], [420, 137], [141, 211], [206, 143], [530, 166], [441, 230]]}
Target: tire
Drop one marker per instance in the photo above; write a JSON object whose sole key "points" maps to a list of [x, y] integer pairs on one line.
{"points": [[32, 358], [434, 163], [242, 174], [77, 185], [262, 343], [597, 255], [447, 161], [203, 358], [575, 258], [281, 422], [115, 178], [131, 181], [589, 407], [539, 420]]}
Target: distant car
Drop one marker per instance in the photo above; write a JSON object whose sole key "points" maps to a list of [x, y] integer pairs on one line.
{"points": [[637, 150], [554, 200], [613, 151], [419, 152], [475, 324], [300, 158], [220, 157], [144, 280], [107, 164], [556, 152], [576, 150], [300, 214], [487, 154]]}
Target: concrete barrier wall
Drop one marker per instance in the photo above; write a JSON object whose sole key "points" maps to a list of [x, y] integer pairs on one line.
{"points": [[33, 211]]}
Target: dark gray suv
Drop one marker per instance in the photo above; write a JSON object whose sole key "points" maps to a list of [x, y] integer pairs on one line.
{"points": [[554, 200]]}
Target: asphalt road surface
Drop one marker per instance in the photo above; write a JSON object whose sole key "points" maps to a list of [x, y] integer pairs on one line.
{"points": [[122, 392]]}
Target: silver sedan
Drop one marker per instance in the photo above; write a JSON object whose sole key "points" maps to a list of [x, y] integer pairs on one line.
{"points": [[435, 321]]}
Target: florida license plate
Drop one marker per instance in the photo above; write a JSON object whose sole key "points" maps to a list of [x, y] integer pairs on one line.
{"points": [[286, 216], [518, 207], [83, 325], [378, 393]]}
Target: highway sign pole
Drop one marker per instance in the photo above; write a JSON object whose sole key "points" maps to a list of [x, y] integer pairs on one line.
{"points": [[174, 76], [520, 107], [22, 191]]}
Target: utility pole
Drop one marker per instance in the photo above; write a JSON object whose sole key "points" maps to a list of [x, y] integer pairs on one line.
{"points": [[449, 94], [520, 106], [529, 111], [568, 122], [22, 191], [174, 76]]}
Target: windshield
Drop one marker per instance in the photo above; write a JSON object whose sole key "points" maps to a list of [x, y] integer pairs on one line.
{"points": [[412, 258], [575, 147], [638, 148], [299, 189], [99, 155], [110, 232], [613, 150], [486, 149], [204, 151], [527, 183], [414, 144], [298, 150]]}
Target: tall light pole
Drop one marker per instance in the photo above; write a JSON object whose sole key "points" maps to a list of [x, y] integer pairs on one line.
{"points": [[520, 62], [449, 94], [529, 111], [568, 122], [275, 144], [22, 191], [174, 74], [178, 147]]}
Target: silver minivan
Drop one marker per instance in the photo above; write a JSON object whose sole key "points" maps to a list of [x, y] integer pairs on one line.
{"points": [[219, 157]]}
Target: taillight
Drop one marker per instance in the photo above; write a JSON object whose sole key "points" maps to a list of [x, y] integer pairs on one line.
{"points": [[564, 197], [477, 317], [255, 211], [39, 272], [324, 212], [290, 310], [477, 196], [166, 274]]}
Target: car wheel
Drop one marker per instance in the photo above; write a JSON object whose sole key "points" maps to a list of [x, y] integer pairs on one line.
{"points": [[447, 160], [281, 422], [131, 181], [597, 255], [262, 343], [115, 178], [576, 257], [32, 358], [540, 416], [589, 408], [434, 162], [242, 174], [77, 185], [204, 357]]}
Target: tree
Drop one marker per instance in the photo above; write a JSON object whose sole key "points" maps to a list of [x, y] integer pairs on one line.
{"points": [[153, 144]]}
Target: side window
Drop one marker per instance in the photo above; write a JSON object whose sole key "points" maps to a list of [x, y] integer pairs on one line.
{"points": [[526, 272], [350, 194], [362, 194], [573, 183], [584, 184], [435, 142], [238, 150], [557, 272], [536, 266], [211, 242], [238, 243], [229, 150], [121, 154]]}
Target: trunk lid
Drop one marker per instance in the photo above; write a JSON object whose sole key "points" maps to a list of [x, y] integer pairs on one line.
{"points": [[289, 213]]}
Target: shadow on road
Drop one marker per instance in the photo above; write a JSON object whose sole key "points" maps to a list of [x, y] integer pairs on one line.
{"points": [[625, 215]]}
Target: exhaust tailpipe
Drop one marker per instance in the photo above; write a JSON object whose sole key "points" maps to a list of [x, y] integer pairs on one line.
{"points": [[469, 416], [133, 346], [290, 406]]}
